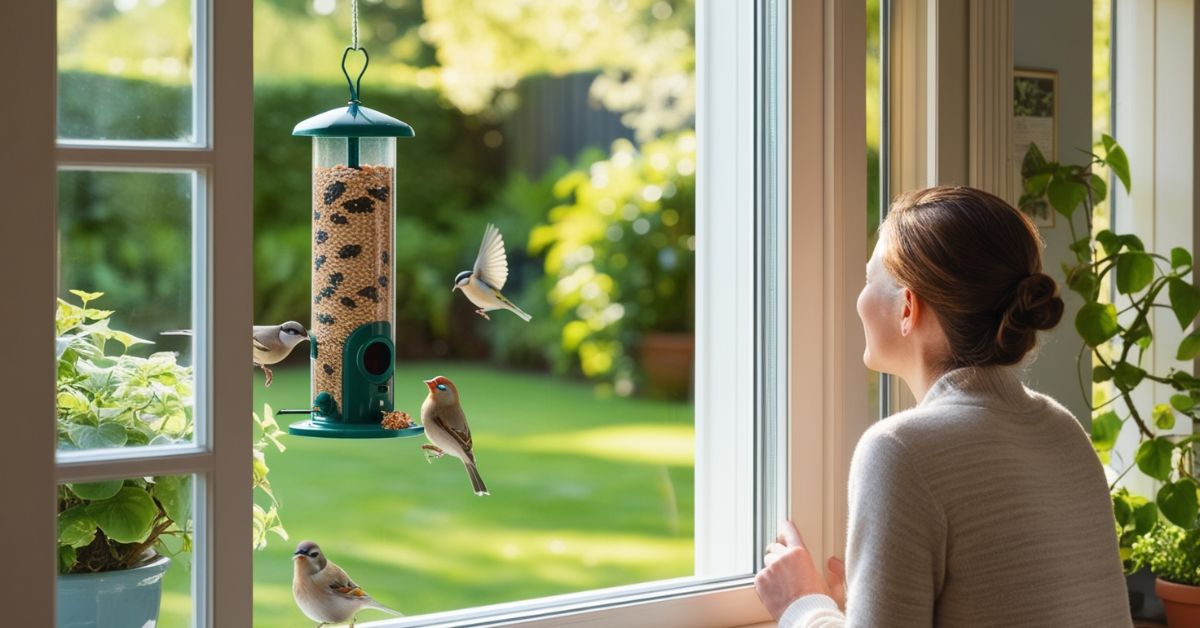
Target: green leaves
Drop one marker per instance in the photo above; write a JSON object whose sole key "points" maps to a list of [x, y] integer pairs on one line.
{"points": [[1127, 376], [1116, 160], [174, 492], [96, 490], [1185, 299], [126, 517], [1178, 502], [1096, 323], [104, 399], [1181, 260], [1163, 416], [104, 436], [1065, 195], [1182, 403], [1135, 271], [1154, 458], [1105, 429], [1189, 347], [75, 527]]}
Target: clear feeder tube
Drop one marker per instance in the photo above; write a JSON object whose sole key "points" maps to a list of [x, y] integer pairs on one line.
{"points": [[353, 272]]}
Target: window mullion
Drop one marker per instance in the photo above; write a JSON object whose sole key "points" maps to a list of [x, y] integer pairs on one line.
{"points": [[224, 582], [104, 155], [104, 464], [27, 176]]}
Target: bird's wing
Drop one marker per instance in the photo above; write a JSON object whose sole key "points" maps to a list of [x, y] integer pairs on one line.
{"points": [[491, 264], [265, 337], [341, 584], [456, 428]]}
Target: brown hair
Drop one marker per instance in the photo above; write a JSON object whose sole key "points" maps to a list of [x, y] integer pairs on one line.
{"points": [[977, 262]]}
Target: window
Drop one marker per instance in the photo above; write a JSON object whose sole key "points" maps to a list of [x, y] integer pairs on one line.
{"points": [[766, 181], [150, 161]]}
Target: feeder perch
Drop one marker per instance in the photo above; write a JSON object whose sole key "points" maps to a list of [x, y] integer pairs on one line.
{"points": [[352, 352]]}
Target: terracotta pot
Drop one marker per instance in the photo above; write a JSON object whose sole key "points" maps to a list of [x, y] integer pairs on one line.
{"points": [[666, 358], [1182, 602]]}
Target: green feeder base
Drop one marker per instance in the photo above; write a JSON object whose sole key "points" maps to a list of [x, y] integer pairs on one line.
{"points": [[331, 429]]}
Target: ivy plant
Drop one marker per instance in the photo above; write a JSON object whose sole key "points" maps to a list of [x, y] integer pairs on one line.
{"points": [[113, 398], [1117, 335]]}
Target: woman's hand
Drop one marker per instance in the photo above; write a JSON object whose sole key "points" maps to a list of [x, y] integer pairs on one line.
{"points": [[790, 574]]}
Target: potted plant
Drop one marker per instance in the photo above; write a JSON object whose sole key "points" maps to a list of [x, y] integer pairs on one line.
{"points": [[116, 537], [1116, 341], [619, 260], [113, 535], [1173, 555]]}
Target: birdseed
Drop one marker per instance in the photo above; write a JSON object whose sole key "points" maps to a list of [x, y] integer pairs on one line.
{"points": [[352, 231]]}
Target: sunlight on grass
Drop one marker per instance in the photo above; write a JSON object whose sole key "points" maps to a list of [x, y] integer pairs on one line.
{"points": [[665, 444], [587, 493]]}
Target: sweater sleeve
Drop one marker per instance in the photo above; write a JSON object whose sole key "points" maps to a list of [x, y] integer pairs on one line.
{"points": [[895, 549]]}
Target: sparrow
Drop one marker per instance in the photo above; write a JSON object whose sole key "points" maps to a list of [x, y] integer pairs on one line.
{"points": [[324, 592], [273, 343], [446, 427], [482, 284]]}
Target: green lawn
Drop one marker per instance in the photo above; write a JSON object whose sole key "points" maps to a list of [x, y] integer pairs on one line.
{"points": [[586, 492]]}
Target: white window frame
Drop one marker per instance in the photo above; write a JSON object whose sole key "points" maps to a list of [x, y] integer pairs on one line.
{"points": [[221, 159], [1153, 109], [810, 104]]}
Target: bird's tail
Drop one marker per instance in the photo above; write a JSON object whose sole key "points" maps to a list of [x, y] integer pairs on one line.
{"points": [[519, 312], [476, 481], [380, 607]]}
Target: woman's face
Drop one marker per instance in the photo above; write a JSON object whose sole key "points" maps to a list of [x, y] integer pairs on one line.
{"points": [[879, 306]]}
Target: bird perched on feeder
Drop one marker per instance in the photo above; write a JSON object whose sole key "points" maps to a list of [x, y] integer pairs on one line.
{"points": [[324, 592], [446, 427], [273, 343], [482, 284]]}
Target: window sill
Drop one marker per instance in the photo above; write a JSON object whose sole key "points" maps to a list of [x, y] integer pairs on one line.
{"points": [[684, 602]]}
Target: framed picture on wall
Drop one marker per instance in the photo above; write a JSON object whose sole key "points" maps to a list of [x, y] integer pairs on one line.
{"points": [[1035, 121]]}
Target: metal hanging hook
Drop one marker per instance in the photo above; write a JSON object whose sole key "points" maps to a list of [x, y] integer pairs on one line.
{"points": [[355, 84]]}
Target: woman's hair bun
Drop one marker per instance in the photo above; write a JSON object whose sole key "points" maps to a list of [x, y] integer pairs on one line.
{"points": [[1035, 305]]}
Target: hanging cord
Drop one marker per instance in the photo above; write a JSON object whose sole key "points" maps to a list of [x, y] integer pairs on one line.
{"points": [[354, 83]]}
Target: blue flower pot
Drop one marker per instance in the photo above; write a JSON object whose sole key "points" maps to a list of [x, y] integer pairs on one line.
{"points": [[129, 598]]}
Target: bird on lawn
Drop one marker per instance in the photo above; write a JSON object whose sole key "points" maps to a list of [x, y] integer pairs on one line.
{"points": [[482, 284], [446, 427], [324, 592], [273, 343]]}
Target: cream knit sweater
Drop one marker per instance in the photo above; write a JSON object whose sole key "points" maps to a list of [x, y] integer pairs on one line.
{"points": [[983, 506]]}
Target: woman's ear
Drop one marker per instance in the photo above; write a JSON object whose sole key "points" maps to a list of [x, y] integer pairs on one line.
{"points": [[910, 310]]}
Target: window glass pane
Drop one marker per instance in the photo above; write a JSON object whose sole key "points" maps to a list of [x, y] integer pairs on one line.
{"points": [[125, 552], [569, 127], [876, 202], [125, 70], [125, 263]]}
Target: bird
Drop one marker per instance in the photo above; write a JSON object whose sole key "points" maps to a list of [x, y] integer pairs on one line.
{"points": [[273, 343], [482, 284], [446, 427], [324, 592]]}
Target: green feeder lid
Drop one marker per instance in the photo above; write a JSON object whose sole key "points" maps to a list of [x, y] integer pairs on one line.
{"points": [[355, 120]]}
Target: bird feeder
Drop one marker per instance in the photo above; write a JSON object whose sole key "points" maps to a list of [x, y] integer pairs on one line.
{"points": [[353, 351]]}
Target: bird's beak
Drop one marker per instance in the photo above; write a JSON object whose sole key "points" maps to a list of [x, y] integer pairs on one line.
{"points": [[430, 384], [299, 555], [454, 287]]}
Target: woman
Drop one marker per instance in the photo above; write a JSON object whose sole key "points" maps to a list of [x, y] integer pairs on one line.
{"points": [[984, 505]]}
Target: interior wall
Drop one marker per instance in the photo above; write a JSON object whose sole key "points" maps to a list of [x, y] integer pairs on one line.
{"points": [[1058, 36]]}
